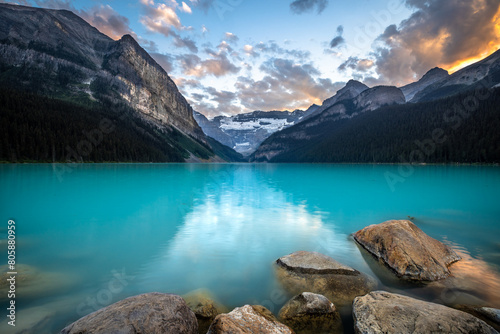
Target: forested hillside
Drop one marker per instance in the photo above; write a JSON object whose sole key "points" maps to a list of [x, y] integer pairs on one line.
{"points": [[459, 129]]}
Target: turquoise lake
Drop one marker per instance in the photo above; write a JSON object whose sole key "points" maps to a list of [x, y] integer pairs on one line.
{"points": [[93, 234]]}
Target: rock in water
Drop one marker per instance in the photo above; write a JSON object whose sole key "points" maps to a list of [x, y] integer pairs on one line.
{"points": [[407, 250], [204, 306], [310, 313], [147, 313], [384, 312], [248, 320], [314, 272]]}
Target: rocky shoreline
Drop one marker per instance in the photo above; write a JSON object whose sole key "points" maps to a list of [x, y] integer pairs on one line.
{"points": [[320, 286]]}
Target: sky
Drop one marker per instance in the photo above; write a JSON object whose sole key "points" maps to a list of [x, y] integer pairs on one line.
{"points": [[235, 56]]}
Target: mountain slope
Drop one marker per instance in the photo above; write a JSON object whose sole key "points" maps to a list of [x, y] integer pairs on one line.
{"points": [[484, 73], [442, 131], [313, 129], [429, 78], [55, 53]]}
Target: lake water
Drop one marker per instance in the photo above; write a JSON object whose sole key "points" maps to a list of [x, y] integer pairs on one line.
{"points": [[93, 234]]}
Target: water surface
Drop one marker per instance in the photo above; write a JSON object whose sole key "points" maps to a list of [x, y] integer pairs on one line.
{"points": [[97, 233]]}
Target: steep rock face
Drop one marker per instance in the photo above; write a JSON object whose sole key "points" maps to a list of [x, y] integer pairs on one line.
{"points": [[379, 96], [432, 76], [352, 89], [212, 129], [56, 47], [406, 249], [384, 312]]}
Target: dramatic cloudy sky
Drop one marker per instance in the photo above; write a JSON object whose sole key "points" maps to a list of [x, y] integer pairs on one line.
{"points": [[233, 56]]}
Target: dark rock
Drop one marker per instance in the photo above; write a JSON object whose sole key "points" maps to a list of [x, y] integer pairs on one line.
{"points": [[310, 313], [147, 313], [248, 320], [314, 272], [384, 312], [406, 249]]}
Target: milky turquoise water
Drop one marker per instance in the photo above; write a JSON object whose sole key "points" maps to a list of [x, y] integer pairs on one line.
{"points": [[97, 233]]}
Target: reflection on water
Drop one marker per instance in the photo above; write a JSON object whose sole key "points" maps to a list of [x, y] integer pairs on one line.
{"points": [[229, 240], [178, 228]]}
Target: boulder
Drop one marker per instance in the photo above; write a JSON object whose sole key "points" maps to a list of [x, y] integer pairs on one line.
{"points": [[406, 249], [310, 313], [384, 312], [488, 314], [204, 306], [146, 313], [248, 320], [315, 272]]}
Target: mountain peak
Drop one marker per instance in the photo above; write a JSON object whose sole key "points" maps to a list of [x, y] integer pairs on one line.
{"points": [[436, 71], [432, 76]]}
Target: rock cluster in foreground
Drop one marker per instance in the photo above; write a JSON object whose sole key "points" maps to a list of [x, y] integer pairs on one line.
{"points": [[320, 284]]}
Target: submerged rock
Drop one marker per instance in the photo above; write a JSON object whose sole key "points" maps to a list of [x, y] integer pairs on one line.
{"points": [[248, 320], [146, 313], [204, 306], [314, 272], [488, 314], [384, 312], [36, 283], [310, 313], [407, 250]]}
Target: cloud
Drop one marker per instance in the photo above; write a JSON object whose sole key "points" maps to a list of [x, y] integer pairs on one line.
{"points": [[218, 65], [438, 33], [303, 6], [338, 40], [163, 19], [286, 85], [271, 47], [356, 64], [185, 8], [249, 51], [232, 38]]}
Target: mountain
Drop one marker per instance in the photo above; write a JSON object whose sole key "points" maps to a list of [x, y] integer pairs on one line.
{"points": [[482, 74], [55, 53], [245, 132], [352, 89], [314, 128], [431, 77]]}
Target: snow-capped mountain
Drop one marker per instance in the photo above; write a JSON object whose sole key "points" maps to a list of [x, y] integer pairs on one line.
{"points": [[245, 132]]}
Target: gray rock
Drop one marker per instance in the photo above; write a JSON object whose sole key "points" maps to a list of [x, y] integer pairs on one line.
{"points": [[146, 313], [310, 313], [314, 272], [384, 312], [248, 320], [406, 249]]}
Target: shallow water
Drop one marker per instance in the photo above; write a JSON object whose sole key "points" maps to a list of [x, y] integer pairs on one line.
{"points": [[96, 234]]}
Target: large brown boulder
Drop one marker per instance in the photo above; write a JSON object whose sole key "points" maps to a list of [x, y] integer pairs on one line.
{"points": [[407, 250], [147, 313], [384, 312], [315, 272], [310, 313], [205, 307], [248, 320]]}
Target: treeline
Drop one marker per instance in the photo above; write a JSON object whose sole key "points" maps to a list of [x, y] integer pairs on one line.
{"points": [[37, 128], [460, 129]]}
